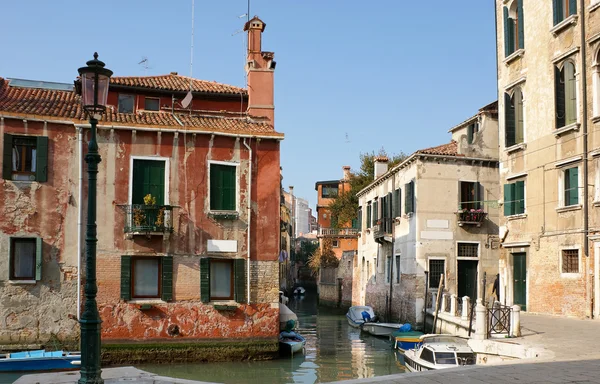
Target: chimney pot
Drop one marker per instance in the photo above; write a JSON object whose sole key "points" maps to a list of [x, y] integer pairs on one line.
{"points": [[346, 169], [381, 165]]}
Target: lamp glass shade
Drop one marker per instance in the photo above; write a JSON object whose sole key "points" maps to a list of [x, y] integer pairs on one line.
{"points": [[88, 84]]}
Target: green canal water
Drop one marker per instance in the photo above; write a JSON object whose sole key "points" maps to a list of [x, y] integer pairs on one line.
{"points": [[334, 351]]}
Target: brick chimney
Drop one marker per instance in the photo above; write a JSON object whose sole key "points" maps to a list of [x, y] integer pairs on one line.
{"points": [[260, 69], [381, 165], [346, 169]]}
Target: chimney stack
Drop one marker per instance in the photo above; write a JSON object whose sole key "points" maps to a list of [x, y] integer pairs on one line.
{"points": [[346, 169], [381, 165], [260, 69]]}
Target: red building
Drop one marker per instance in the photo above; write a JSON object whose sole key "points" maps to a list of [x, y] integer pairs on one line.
{"points": [[188, 208]]}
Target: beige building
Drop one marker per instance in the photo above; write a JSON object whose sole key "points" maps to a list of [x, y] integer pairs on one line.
{"points": [[431, 213], [549, 104]]}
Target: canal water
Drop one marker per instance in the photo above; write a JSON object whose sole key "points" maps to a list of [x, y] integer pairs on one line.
{"points": [[334, 351]]}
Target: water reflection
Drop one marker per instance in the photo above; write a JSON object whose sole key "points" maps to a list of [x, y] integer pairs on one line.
{"points": [[334, 351]]}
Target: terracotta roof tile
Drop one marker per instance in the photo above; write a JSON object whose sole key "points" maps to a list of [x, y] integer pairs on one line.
{"points": [[450, 149], [65, 105], [177, 83]]}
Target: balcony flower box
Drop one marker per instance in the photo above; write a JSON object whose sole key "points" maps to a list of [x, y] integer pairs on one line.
{"points": [[471, 216]]}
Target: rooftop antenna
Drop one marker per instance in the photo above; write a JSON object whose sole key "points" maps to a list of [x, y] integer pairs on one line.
{"points": [[187, 100], [144, 64]]}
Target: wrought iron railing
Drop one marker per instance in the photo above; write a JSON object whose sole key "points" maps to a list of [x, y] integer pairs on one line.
{"points": [[338, 231], [382, 227], [148, 218]]}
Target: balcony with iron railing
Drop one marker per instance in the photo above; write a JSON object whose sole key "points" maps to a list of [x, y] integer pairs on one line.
{"points": [[148, 219], [382, 230], [339, 232], [470, 216]]}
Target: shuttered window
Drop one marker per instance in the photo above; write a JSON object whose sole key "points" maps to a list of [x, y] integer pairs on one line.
{"points": [[25, 158], [147, 277], [563, 9], [148, 179], [222, 187], [409, 197], [360, 219], [375, 212], [369, 209], [25, 258], [514, 37], [571, 179], [565, 86], [222, 279], [514, 198]]}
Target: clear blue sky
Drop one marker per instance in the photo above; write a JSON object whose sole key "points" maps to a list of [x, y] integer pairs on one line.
{"points": [[386, 73]]}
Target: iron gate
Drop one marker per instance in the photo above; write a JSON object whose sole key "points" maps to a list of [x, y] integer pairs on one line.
{"points": [[499, 319]]}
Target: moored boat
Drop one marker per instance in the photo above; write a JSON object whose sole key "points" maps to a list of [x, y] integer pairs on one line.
{"points": [[359, 315], [291, 343], [380, 329], [439, 352], [39, 360], [299, 291], [406, 340]]}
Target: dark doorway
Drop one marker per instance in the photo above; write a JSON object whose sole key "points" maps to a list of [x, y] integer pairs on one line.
{"points": [[467, 279], [520, 280]]}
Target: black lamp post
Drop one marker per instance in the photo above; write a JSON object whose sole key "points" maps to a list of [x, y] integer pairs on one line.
{"points": [[94, 92]]}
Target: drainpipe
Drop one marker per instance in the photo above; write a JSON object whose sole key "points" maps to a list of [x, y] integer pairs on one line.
{"points": [[585, 130], [393, 256], [79, 215], [249, 200]]}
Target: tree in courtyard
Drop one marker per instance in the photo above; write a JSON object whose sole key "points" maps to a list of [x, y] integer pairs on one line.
{"points": [[323, 257], [305, 250], [344, 207]]}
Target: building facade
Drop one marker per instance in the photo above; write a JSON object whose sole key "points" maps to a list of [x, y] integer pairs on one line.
{"points": [[410, 236], [188, 243], [549, 110]]}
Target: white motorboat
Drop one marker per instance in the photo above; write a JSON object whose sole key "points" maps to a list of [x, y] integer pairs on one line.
{"points": [[381, 329], [285, 315], [360, 314], [439, 352], [299, 291]]}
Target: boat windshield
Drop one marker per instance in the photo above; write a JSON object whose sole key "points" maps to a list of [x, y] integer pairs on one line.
{"points": [[445, 358], [466, 358]]}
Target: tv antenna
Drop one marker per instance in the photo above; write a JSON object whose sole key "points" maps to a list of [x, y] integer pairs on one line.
{"points": [[144, 63]]}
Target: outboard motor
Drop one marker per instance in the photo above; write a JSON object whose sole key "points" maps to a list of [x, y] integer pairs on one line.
{"points": [[366, 316]]}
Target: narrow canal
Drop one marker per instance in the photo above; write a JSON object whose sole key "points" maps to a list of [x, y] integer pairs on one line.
{"points": [[334, 351]]}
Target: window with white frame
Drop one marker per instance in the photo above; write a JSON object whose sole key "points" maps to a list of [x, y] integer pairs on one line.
{"points": [[223, 187], [513, 27], [437, 268], [565, 93], [513, 117]]}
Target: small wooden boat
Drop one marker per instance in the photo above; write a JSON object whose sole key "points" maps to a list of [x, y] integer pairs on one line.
{"points": [[439, 352], [291, 343], [299, 291], [39, 360], [360, 314], [404, 341], [380, 329]]}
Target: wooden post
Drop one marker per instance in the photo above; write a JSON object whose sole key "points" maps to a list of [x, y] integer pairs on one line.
{"points": [[437, 302]]}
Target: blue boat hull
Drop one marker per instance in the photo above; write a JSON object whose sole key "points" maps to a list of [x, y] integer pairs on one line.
{"points": [[32, 363]]}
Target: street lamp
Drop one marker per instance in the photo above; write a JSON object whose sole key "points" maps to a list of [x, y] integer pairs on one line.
{"points": [[94, 92]]}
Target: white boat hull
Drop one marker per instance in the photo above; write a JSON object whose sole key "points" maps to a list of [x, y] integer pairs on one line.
{"points": [[381, 329], [354, 315]]}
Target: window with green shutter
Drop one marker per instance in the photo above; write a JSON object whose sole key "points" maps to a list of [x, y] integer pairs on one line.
{"points": [[126, 278], [223, 187], [25, 258], [148, 179], [563, 9], [571, 181], [369, 209], [409, 197], [25, 158], [222, 279], [565, 94], [375, 211], [514, 198], [514, 37], [147, 277], [239, 275]]}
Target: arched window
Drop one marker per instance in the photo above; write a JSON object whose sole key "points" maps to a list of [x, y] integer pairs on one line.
{"points": [[514, 38], [596, 83], [513, 117], [565, 94]]}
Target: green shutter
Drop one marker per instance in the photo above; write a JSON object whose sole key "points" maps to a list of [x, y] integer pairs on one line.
{"points": [[222, 187], [572, 7], [571, 186], [148, 178], [390, 205], [7, 157], [518, 111], [205, 280], [509, 121], [39, 244], [369, 216], [508, 199], [229, 188], [360, 223], [519, 197], [557, 9], [507, 47], [399, 202], [167, 278], [239, 275], [41, 166], [470, 134], [478, 196], [375, 212], [570, 94], [395, 204], [521, 24], [559, 93], [409, 198], [126, 278]]}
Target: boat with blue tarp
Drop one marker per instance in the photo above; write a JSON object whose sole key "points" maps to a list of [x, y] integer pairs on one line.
{"points": [[39, 360]]}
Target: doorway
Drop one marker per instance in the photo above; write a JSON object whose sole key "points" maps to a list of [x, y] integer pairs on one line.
{"points": [[467, 279], [520, 280]]}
